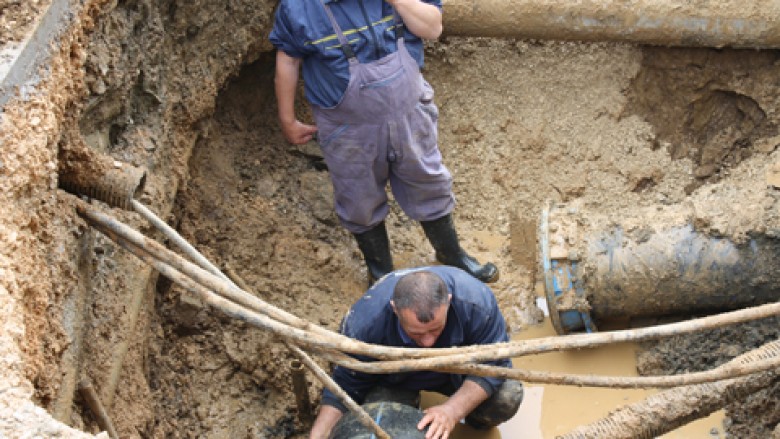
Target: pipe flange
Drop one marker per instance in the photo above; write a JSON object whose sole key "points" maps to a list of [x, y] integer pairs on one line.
{"points": [[568, 307]]}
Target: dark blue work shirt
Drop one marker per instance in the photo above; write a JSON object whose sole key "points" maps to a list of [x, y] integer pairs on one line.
{"points": [[472, 319], [302, 30]]}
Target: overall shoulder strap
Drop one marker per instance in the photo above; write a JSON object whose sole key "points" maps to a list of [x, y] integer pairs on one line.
{"points": [[398, 25], [345, 47]]}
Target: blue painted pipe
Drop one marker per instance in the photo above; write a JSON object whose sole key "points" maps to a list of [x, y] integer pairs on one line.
{"points": [[608, 274]]}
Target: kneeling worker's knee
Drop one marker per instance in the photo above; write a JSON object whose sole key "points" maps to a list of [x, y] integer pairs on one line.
{"points": [[499, 408]]}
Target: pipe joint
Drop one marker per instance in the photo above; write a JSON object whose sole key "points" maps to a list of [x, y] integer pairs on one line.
{"points": [[569, 308]]}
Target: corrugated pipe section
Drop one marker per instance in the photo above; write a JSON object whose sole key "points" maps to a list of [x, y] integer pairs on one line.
{"points": [[102, 178]]}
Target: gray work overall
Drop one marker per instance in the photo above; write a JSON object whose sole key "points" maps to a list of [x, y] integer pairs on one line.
{"points": [[384, 128]]}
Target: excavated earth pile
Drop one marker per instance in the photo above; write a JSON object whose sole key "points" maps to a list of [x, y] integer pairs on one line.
{"points": [[184, 90]]}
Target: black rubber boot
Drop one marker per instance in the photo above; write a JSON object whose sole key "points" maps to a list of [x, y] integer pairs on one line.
{"points": [[375, 246], [444, 239]]}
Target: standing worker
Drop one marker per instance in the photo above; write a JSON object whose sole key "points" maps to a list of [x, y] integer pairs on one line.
{"points": [[430, 307], [375, 117]]}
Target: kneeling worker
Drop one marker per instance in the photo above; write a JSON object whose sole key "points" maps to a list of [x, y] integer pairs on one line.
{"points": [[430, 307]]}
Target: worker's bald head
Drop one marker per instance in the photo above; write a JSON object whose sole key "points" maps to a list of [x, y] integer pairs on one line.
{"points": [[421, 292]]}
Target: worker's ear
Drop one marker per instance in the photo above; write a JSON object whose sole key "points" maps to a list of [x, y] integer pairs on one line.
{"points": [[392, 304], [449, 298]]}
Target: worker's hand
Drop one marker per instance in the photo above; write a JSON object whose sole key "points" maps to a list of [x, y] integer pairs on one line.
{"points": [[326, 419], [297, 132], [440, 421]]}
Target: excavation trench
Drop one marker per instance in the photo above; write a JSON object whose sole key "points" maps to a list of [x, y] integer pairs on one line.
{"points": [[185, 92]]}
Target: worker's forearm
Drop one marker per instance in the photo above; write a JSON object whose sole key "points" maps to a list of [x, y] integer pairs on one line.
{"points": [[285, 85], [326, 420], [422, 19], [466, 399]]}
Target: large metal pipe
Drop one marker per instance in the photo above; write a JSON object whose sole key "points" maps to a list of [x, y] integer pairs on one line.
{"points": [[705, 23], [648, 264]]}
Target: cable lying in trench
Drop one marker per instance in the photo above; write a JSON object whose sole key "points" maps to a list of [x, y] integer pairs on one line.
{"points": [[259, 313], [285, 324], [459, 364], [662, 381], [234, 302]]}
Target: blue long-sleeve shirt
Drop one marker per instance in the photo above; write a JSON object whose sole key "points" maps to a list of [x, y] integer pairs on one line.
{"points": [[473, 318], [302, 30]]}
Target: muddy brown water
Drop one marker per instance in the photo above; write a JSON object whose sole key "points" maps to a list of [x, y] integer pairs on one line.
{"points": [[548, 410]]}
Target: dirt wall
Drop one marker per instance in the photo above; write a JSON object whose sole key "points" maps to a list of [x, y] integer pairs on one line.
{"points": [[122, 84], [39, 242]]}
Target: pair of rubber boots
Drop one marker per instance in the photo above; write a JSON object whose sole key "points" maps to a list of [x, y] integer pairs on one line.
{"points": [[375, 246]]}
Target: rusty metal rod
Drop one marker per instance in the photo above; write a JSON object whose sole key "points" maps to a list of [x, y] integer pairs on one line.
{"points": [[93, 401], [301, 391], [724, 23], [328, 382]]}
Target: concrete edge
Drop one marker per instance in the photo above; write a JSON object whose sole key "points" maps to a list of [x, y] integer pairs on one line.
{"points": [[22, 65]]}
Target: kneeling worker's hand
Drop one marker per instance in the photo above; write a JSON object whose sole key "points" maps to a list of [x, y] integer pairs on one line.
{"points": [[440, 421]]}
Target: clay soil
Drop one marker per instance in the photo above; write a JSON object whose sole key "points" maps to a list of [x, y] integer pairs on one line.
{"points": [[607, 128]]}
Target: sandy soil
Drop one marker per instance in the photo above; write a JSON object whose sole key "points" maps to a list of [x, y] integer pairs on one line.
{"points": [[609, 128], [17, 17]]}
